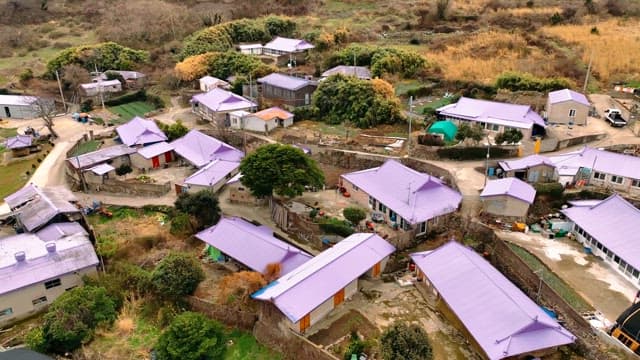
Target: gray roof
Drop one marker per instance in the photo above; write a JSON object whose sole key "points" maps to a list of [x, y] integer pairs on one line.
{"points": [[35, 206], [100, 156], [285, 81], [358, 71], [21, 100]]}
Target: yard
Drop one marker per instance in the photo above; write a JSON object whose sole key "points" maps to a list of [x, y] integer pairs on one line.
{"points": [[20, 172], [85, 147], [128, 111]]}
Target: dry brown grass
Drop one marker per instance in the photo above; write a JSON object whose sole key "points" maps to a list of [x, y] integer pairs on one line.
{"points": [[547, 10], [616, 49]]}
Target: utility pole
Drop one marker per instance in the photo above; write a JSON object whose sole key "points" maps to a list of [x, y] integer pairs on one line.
{"points": [[64, 104], [586, 79], [486, 162], [410, 121]]}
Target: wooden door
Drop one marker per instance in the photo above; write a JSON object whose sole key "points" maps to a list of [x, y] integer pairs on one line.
{"points": [[167, 157], [338, 298], [155, 161], [376, 269], [305, 322]]}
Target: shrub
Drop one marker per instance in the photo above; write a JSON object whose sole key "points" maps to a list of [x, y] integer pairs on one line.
{"points": [[86, 106], [382, 60], [553, 189], [556, 18], [221, 65], [35, 340], [133, 278], [181, 224], [473, 153], [336, 226], [430, 140], [466, 131], [123, 169], [203, 206], [191, 336], [509, 136], [526, 82], [355, 347], [173, 131], [408, 342], [26, 75], [354, 214], [177, 275]]}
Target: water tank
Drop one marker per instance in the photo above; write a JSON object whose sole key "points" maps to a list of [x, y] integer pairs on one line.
{"points": [[20, 256], [51, 247]]}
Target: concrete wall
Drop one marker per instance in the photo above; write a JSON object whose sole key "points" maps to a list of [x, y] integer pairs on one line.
{"points": [[254, 123], [559, 113], [626, 186], [488, 128], [300, 97], [129, 188], [383, 264], [535, 174], [503, 205], [215, 188], [21, 300], [140, 162], [18, 111]]}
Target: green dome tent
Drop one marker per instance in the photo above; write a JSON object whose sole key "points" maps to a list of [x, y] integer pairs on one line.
{"points": [[446, 128]]}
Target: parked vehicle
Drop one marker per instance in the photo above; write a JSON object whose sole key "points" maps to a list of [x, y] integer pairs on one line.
{"points": [[614, 118]]}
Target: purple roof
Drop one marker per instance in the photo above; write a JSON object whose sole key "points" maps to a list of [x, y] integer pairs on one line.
{"points": [[156, 149], [492, 112], [100, 156], [35, 207], [500, 317], [559, 96], [18, 142], [139, 131], [200, 149], [57, 231], [101, 169], [72, 253], [213, 172], [525, 162], [312, 283], [614, 223], [252, 245], [510, 186], [288, 45], [599, 160], [358, 71], [285, 81], [414, 196], [219, 100], [588, 203]]}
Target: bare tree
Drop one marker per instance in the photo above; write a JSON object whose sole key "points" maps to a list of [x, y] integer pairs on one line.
{"points": [[46, 109], [73, 75]]}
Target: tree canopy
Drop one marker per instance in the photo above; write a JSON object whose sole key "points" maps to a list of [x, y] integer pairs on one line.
{"points": [[382, 60], [509, 136], [364, 103], [516, 81], [221, 65], [202, 206], [466, 131], [278, 168], [405, 342], [103, 56], [177, 275], [173, 131], [354, 214], [191, 336]]}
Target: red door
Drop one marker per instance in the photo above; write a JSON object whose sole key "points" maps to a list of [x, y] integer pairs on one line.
{"points": [[156, 162], [167, 156]]}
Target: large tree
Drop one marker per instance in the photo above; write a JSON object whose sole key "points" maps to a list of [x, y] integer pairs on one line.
{"points": [[46, 109], [281, 169], [191, 336], [202, 206], [405, 342], [177, 275]]}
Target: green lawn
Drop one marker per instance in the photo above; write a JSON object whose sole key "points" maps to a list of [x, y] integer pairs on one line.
{"points": [[8, 132], [245, 346], [556, 283], [18, 177], [85, 147], [128, 111]]}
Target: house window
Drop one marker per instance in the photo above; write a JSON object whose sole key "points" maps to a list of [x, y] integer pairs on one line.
{"points": [[616, 179], [6, 312], [307, 99], [635, 183], [52, 283], [616, 259], [39, 301], [636, 273], [382, 207], [71, 288], [572, 113], [493, 127], [355, 188], [392, 215], [422, 228], [598, 175]]}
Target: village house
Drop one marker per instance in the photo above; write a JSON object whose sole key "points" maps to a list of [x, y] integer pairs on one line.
{"points": [[627, 328], [216, 104], [567, 107], [291, 91], [35, 207], [510, 197], [407, 199], [261, 121], [21, 145], [252, 246], [140, 132], [153, 156], [208, 83], [306, 294], [609, 228], [212, 176], [532, 169], [250, 49], [99, 173], [497, 318], [199, 149], [360, 72], [19, 107], [600, 168], [35, 269], [286, 50], [113, 155], [494, 117], [133, 79], [100, 87]]}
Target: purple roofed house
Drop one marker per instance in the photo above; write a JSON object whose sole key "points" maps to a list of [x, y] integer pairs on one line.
{"points": [[153, 156], [253, 246], [20, 145], [493, 116], [309, 292], [567, 106], [291, 91], [502, 320], [610, 229], [532, 168], [212, 176], [37, 268], [115, 155], [217, 103], [360, 72], [140, 132], [509, 197], [287, 51], [36, 207], [200, 149], [412, 200]]}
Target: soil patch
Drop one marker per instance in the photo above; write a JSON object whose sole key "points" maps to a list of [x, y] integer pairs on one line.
{"points": [[352, 320]]}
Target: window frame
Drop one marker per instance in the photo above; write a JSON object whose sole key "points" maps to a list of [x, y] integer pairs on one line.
{"points": [[50, 284], [572, 112], [614, 179]]}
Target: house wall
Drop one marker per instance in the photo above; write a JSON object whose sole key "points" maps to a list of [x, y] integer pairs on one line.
{"points": [[21, 300], [489, 128], [627, 185], [93, 178], [253, 123], [140, 162], [559, 113], [105, 89], [503, 205], [323, 309], [300, 97], [18, 111], [538, 173], [253, 51], [287, 122], [217, 186], [208, 114], [240, 194], [383, 264]]}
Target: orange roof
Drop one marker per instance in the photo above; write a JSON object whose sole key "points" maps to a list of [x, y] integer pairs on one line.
{"points": [[273, 112]]}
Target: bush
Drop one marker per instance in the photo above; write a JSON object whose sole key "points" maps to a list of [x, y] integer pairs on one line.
{"points": [[355, 347], [509, 136], [526, 82], [123, 169], [26, 75], [556, 18], [221, 65], [86, 106], [173, 131], [35, 340], [554, 189], [430, 140], [381, 60], [466, 131], [181, 224], [354, 214], [203, 206], [473, 153], [191, 336], [336, 226], [177, 275], [408, 342]]}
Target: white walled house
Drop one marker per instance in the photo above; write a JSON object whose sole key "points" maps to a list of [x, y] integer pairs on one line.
{"points": [[262, 121], [567, 106], [18, 107], [104, 87], [208, 83]]}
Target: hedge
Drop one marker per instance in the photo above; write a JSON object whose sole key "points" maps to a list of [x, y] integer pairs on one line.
{"points": [[474, 153], [336, 227], [140, 95], [553, 189]]}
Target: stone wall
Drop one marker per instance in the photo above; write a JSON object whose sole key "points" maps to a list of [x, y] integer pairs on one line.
{"points": [[122, 187], [579, 140], [233, 318]]}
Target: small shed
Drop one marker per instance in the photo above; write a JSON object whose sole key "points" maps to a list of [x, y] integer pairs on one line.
{"points": [[446, 128], [508, 197], [21, 145], [208, 83], [567, 106], [153, 156], [250, 49], [19, 106], [97, 174]]}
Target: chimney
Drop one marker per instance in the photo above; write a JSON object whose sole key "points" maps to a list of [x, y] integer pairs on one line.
{"points": [[51, 247], [20, 256]]}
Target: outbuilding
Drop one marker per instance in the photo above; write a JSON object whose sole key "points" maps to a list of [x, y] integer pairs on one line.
{"points": [[567, 107], [98, 173], [447, 129], [281, 89], [211, 177], [261, 121], [21, 145], [153, 156], [208, 83], [532, 169], [510, 197], [18, 107]]}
